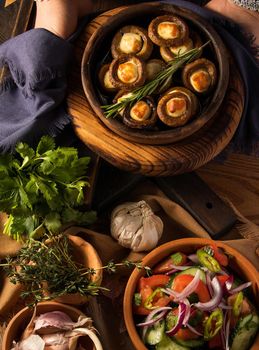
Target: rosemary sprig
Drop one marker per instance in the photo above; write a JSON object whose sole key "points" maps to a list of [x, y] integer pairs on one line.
{"points": [[137, 94], [47, 270]]}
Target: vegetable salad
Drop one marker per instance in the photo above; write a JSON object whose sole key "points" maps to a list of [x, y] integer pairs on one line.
{"points": [[195, 302]]}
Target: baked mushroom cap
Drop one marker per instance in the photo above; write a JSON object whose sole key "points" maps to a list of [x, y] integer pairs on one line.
{"points": [[153, 67], [177, 106], [104, 79], [141, 115], [132, 40], [168, 30], [168, 53], [200, 76], [120, 96], [127, 72]]}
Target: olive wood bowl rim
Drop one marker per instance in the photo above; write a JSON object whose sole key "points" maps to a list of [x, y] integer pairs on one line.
{"points": [[158, 254], [155, 137]]}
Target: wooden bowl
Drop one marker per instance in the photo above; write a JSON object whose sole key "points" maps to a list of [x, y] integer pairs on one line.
{"points": [[239, 264], [97, 51], [19, 322], [86, 255]]}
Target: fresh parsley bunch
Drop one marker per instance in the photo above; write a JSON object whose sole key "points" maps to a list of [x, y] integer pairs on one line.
{"points": [[42, 189]]}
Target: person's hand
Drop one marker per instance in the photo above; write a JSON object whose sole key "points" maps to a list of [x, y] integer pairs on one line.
{"points": [[247, 19], [61, 16]]}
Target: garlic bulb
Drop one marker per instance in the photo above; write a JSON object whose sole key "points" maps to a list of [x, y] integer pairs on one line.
{"points": [[135, 226]]}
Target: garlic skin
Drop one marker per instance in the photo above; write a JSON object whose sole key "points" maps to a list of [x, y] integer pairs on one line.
{"points": [[135, 226]]}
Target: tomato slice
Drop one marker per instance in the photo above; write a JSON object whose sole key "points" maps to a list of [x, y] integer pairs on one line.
{"points": [[222, 279], [153, 281], [163, 301], [145, 292], [215, 342], [185, 334], [141, 310], [177, 259], [219, 255], [182, 281]]}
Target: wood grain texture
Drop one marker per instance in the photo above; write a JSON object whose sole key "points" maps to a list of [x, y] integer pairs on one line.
{"points": [[13, 20], [237, 180], [151, 160]]}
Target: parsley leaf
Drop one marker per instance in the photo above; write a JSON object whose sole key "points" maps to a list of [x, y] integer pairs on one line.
{"points": [[42, 189]]}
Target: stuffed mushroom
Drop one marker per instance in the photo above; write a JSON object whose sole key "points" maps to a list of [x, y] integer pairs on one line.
{"points": [[168, 30], [104, 79], [177, 106], [168, 53], [142, 114], [132, 40], [127, 72], [200, 76]]}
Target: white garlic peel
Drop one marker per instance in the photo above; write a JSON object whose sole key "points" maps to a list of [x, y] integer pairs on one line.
{"points": [[135, 226]]}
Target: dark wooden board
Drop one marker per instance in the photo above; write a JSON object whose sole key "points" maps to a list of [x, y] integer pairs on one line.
{"points": [[151, 160], [14, 20]]}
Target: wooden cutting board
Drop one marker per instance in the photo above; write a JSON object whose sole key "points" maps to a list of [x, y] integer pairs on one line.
{"points": [[14, 19], [177, 158]]}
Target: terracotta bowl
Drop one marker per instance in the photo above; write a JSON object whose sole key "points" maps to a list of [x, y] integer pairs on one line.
{"points": [[239, 264], [19, 322], [97, 52], [86, 255]]}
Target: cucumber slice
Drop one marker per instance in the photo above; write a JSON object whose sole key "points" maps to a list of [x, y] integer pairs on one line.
{"points": [[192, 343], [170, 321], [192, 271], [245, 332], [155, 333], [168, 344]]}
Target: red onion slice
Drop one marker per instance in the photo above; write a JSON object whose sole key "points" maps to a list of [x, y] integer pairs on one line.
{"points": [[189, 289], [150, 317], [194, 330], [216, 298], [153, 320], [239, 288], [224, 306], [176, 268], [229, 282], [193, 258], [208, 282], [170, 292], [187, 312], [178, 325], [227, 334]]}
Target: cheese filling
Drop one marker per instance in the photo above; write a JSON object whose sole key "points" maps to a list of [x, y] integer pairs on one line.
{"points": [[107, 81], [128, 72], [176, 50], [140, 111], [176, 107], [200, 80], [130, 43], [168, 30]]}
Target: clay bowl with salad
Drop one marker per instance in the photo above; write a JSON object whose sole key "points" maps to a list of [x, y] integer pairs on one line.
{"points": [[201, 294], [155, 73]]}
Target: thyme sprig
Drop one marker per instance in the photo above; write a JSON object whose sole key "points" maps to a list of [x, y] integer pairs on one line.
{"points": [[47, 270], [139, 93]]}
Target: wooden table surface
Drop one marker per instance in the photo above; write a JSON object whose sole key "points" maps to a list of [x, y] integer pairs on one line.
{"points": [[236, 179]]}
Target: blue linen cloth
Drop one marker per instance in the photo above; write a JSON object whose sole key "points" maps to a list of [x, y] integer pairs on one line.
{"points": [[32, 97]]}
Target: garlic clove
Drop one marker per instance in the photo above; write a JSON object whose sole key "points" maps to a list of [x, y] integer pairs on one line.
{"points": [[33, 342], [135, 226]]}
